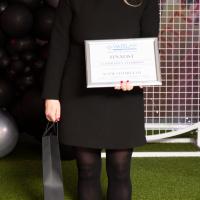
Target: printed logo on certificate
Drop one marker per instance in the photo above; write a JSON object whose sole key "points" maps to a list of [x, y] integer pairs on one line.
{"points": [[110, 61]]}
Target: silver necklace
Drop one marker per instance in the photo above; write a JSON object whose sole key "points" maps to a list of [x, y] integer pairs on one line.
{"points": [[134, 3]]}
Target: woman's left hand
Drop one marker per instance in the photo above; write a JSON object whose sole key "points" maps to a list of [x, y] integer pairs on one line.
{"points": [[125, 86]]}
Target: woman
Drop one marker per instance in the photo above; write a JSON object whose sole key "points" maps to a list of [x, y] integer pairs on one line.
{"points": [[96, 118]]}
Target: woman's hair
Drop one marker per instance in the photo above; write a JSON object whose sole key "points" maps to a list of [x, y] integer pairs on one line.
{"points": [[134, 3]]}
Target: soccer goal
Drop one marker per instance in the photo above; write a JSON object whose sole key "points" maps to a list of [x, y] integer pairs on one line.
{"points": [[172, 109]]}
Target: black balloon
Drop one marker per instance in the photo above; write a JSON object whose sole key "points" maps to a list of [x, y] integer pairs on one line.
{"points": [[28, 56], [15, 57], [17, 66], [4, 61], [16, 20], [38, 65], [23, 83], [15, 45], [11, 74], [3, 5], [43, 22], [8, 133], [28, 70], [53, 3], [32, 4], [6, 93]]}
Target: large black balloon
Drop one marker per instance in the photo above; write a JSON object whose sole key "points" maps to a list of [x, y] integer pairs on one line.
{"points": [[32, 4], [19, 45], [16, 20], [8, 133], [53, 3], [28, 56], [3, 5], [25, 82], [17, 66], [6, 93], [44, 18]]}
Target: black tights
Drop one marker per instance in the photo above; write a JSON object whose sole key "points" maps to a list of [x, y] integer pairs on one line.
{"points": [[118, 163]]}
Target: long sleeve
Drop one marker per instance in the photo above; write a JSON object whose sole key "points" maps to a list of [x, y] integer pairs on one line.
{"points": [[150, 19], [58, 51]]}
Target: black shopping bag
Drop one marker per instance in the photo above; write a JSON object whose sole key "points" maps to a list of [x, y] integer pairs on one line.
{"points": [[52, 170]]}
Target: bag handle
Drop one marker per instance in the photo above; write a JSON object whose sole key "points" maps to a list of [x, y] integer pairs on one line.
{"points": [[49, 127]]}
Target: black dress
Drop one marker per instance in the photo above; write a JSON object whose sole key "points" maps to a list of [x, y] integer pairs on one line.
{"points": [[100, 117]]}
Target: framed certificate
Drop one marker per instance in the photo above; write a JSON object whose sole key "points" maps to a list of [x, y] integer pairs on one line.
{"points": [[110, 61]]}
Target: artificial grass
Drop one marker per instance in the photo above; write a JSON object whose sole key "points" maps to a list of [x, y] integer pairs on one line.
{"points": [[167, 147], [152, 178]]}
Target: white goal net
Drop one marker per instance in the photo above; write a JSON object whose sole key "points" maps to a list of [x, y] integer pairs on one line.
{"points": [[176, 104]]}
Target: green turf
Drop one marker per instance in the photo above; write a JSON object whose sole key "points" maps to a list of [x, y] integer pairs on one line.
{"points": [[152, 178], [167, 147]]}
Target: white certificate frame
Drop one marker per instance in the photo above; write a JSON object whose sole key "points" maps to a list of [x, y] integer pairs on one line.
{"points": [[90, 44]]}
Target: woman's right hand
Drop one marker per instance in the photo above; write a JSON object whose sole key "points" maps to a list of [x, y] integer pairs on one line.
{"points": [[52, 110]]}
